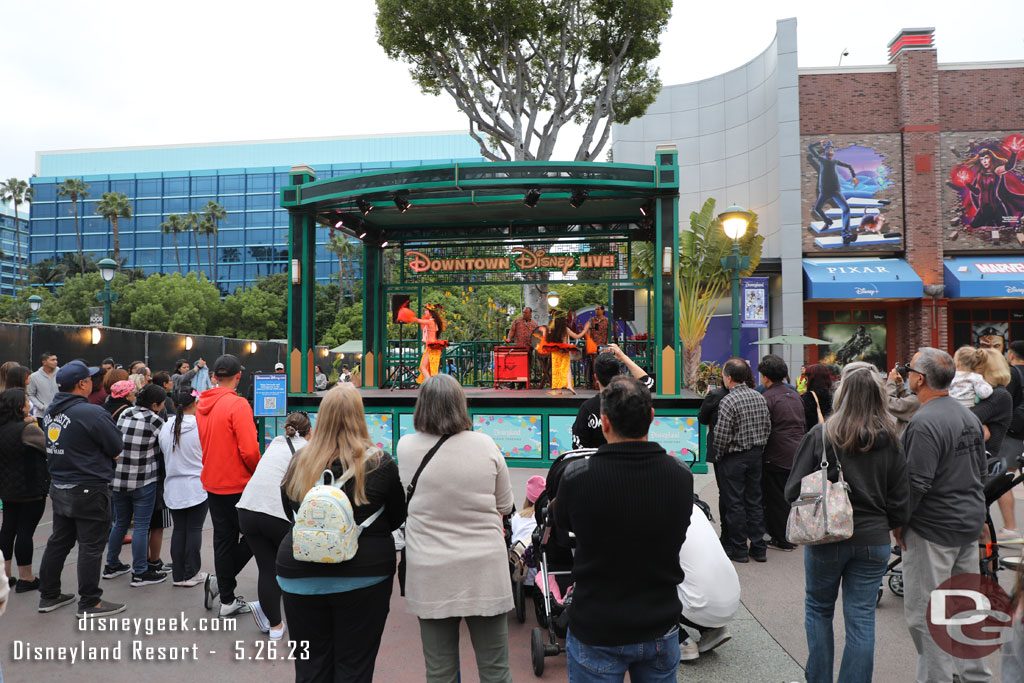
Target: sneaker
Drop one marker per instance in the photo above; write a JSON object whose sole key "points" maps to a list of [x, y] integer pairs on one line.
{"points": [[112, 571], [784, 546], [194, 581], [103, 609], [759, 557], [277, 633], [210, 591], [1008, 534], [738, 558], [12, 581], [262, 623], [688, 650], [239, 606], [26, 586], [713, 638], [50, 604], [147, 579], [160, 566]]}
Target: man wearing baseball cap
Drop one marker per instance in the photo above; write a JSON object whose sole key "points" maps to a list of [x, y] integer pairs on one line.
{"points": [[82, 444], [227, 433], [279, 368]]}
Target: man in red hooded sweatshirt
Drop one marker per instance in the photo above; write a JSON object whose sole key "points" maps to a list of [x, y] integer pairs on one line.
{"points": [[227, 433]]}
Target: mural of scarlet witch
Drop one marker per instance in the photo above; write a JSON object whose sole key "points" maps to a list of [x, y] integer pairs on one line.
{"points": [[991, 186]]}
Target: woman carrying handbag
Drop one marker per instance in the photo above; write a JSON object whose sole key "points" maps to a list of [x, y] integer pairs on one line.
{"points": [[860, 445]]}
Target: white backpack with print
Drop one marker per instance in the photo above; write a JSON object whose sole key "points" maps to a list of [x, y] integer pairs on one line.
{"points": [[325, 530]]}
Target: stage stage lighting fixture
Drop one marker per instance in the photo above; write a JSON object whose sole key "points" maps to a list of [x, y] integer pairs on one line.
{"points": [[364, 206], [578, 197], [532, 197], [402, 202]]}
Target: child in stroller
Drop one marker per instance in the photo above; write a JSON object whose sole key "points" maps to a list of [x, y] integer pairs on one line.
{"points": [[521, 526]]}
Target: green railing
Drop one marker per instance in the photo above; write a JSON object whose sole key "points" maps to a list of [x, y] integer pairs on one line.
{"points": [[472, 362]]}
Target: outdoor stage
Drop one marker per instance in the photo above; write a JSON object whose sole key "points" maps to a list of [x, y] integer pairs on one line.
{"points": [[531, 427]]}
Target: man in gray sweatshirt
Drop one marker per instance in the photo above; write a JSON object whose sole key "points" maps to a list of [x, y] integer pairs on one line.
{"points": [[945, 450], [42, 384]]}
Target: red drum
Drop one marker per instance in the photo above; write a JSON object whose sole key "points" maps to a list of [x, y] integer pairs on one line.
{"points": [[511, 364]]}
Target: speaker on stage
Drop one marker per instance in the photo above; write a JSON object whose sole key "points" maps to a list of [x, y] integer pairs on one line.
{"points": [[397, 301], [622, 304]]}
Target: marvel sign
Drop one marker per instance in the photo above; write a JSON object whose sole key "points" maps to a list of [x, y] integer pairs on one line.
{"points": [[1000, 268]]}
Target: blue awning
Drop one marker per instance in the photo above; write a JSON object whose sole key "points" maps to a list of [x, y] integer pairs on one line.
{"points": [[865, 278], [984, 276]]}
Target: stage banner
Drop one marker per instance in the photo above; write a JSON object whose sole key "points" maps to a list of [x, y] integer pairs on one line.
{"points": [[404, 426], [381, 427], [270, 395], [754, 302], [679, 436], [517, 436], [559, 434]]}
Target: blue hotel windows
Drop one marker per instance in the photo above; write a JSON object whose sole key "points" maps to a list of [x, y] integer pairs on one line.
{"points": [[126, 187], [232, 184], [150, 187], [148, 239], [44, 192], [260, 182], [45, 210], [204, 184], [175, 186], [148, 206], [259, 201], [232, 202]]}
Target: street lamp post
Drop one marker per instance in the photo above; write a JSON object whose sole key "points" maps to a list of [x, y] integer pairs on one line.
{"points": [[553, 299], [35, 302], [107, 271], [735, 221]]}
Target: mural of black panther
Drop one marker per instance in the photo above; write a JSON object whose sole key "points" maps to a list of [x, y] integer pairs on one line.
{"points": [[854, 347]]}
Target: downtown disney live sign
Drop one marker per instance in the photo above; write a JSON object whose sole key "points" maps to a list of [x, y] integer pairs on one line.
{"points": [[521, 260]]}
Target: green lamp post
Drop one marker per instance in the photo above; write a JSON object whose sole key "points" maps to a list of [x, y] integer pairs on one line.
{"points": [[108, 269], [735, 221], [34, 302]]}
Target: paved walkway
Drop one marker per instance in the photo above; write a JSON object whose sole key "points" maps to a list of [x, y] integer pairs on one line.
{"points": [[768, 639]]}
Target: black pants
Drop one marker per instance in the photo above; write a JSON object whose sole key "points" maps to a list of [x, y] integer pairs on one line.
{"points": [[343, 630], [80, 515], [776, 509], [231, 552], [264, 534], [187, 541], [20, 522], [741, 490], [721, 499]]}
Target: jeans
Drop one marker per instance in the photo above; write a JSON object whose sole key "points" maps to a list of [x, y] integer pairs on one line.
{"points": [[80, 515], [741, 490], [138, 504], [652, 662], [440, 638], [187, 541], [231, 551], [859, 569]]}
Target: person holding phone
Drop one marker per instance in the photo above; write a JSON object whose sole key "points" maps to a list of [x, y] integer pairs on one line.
{"points": [[902, 403]]}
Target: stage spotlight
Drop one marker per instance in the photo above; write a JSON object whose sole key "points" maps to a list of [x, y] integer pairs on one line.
{"points": [[364, 206], [384, 244], [532, 197], [578, 197], [362, 234], [339, 223], [402, 202], [643, 210]]}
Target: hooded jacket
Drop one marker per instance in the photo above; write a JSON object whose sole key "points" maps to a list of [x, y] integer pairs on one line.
{"points": [[82, 442], [227, 433]]}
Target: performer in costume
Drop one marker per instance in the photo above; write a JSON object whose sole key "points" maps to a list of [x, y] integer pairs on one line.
{"points": [[557, 344], [431, 325]]}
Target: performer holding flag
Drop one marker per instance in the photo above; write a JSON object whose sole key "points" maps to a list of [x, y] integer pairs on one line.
{"points": [[431, 325]]}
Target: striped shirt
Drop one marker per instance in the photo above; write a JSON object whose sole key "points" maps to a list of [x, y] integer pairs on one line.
{"points": [[743, 421]]}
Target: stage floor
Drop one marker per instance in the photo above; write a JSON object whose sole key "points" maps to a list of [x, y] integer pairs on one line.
{"points": [[489, 397], [473, 393]]}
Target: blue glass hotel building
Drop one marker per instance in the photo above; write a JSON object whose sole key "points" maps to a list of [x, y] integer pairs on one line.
{"points": [[9, 245], [244, 177]]}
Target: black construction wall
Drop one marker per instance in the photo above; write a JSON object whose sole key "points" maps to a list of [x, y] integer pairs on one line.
{"points": [[166, 349], [263, 361], [16, 344]]}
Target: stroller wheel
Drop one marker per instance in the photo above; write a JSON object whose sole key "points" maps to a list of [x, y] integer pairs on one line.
{"points": [[896, 584], [520, 602], [538, 608], [537, 651]]}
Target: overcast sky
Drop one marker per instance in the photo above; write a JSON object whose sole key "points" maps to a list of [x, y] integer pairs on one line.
{"points": [[142, 73]]}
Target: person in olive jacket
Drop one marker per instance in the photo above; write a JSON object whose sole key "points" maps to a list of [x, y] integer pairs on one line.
{"points": [[24, 481]]}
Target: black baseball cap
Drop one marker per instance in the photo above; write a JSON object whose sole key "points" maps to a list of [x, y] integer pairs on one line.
{"points": [[73, 373], [227, 366]]}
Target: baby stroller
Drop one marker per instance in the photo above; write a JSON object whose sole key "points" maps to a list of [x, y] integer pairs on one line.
{"points": [[1000, 480], [551, 551]]}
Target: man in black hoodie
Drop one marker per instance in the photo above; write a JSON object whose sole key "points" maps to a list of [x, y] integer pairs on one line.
{"points": [[82, 444]]}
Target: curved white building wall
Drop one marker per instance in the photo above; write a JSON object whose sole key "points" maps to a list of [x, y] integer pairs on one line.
{"points": [[738, 140]]}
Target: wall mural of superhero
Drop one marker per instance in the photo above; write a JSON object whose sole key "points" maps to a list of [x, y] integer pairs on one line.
{"points": [[987, 177], [847, 188], [850, 343]]}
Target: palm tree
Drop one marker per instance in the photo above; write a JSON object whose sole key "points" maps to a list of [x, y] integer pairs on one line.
{"points": [[213, 212], [16, 192], [46, 272], [73, 189], [112, 206], [192, 224], [347, 250], [207, 228], [71, 263], [174, 224]]}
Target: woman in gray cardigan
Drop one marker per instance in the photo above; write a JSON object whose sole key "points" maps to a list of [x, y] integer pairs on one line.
{"points": [[455, 547]]}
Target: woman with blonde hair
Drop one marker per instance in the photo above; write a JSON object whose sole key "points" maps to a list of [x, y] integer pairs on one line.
{"points": [[340, 609], [995, 413], [461, 491]]}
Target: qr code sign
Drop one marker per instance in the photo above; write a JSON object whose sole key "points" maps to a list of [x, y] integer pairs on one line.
{"points": [[270, 403]]}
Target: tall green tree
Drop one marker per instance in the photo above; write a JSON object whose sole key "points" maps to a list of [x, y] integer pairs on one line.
{"points": [[46, 272], [213, 213], [348, 251], [521, 69], [114, 206], [16, 192], [73, 265], [192, 224], [206, 227], [75, 189], [174, 225]]}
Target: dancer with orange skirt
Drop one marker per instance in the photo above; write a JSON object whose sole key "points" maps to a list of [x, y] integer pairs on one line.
{"points": [[557, 344], [431, 325]]}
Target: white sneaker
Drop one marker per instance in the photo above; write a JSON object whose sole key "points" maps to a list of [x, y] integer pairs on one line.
{"points": [[1008, 534], [688, 650], [239, 606], [262, 623], [194, 581], [277, 633], [713, 638]]}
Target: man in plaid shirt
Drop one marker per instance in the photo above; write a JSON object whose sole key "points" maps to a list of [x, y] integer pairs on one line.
{"points": [[740, 435], [135, 485]]}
